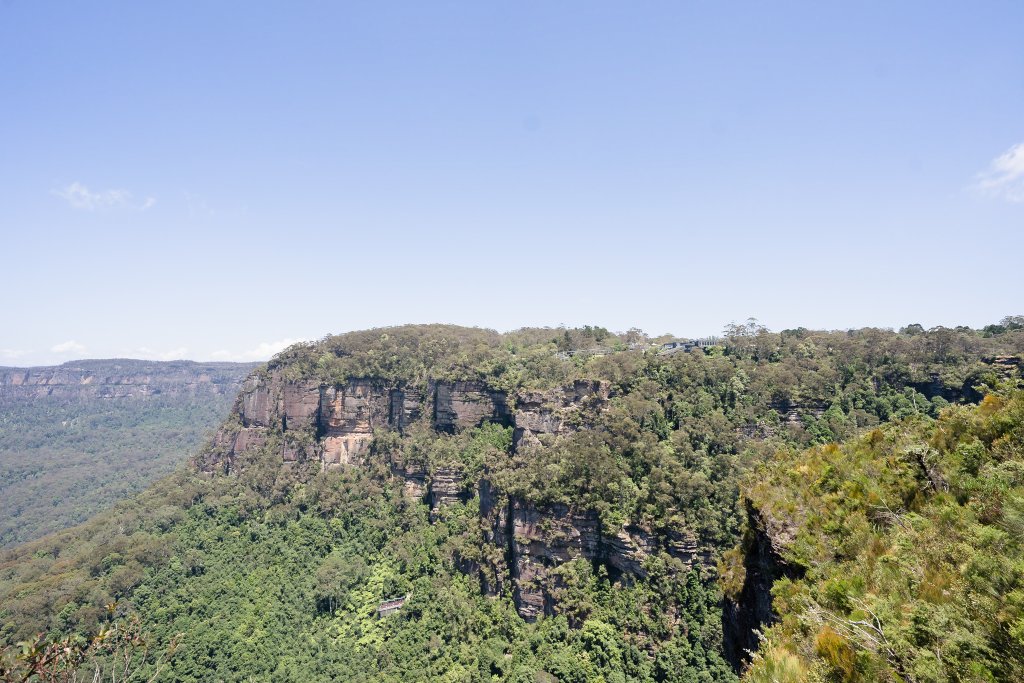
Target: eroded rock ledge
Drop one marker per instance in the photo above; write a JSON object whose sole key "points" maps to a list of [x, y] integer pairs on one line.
{"points": [[529, 542]]}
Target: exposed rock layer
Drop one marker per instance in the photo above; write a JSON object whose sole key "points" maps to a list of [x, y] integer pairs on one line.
{"points": [[116, 379], [530, 542]]}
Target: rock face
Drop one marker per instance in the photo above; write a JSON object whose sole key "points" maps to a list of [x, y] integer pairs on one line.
{"points": [[557, 412], [536, 540], [413, 476], [122, 379], [407, 406], [461, 405], [752, 610], [446, 488], [255, 405], [529, 542], [347, 417], [344, 417]]}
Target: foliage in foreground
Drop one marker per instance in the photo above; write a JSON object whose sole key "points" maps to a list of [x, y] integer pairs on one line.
{"points": [[913, 542]]}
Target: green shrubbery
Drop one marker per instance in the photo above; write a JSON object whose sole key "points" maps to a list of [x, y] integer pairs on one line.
{"points": [[275, 573], [913, 540]]}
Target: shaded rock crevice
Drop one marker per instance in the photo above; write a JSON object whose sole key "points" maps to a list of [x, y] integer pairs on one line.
{"points": [[747, 614]]}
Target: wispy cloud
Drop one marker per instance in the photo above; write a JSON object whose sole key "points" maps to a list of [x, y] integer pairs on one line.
{"points": [[78, 196], [1004, 177], [262, 352], [147, 353], [11, 354], [68, 347]]}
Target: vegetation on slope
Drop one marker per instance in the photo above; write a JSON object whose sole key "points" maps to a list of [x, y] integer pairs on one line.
{"points": [[275, 573], [912, 538], [64, 458]]}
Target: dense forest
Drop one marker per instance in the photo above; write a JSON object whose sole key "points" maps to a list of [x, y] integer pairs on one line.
{"points": [[76, 439], [570, 505]]}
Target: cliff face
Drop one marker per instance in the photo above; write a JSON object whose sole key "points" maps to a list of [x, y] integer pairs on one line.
{"points": [[536, 540], [557, 412], [530, 542], [344, 417], [751, 611], [116, 379]]}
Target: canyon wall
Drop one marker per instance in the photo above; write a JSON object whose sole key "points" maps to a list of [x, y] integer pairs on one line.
{"points": [[118, 379], [529, 542]]}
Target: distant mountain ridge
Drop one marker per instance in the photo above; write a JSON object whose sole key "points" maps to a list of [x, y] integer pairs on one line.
{"points": [[79, 437], [122, 378]]}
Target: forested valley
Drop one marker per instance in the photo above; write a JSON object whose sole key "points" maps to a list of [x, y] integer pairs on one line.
{"points": [[77, 438], [566, 505]]}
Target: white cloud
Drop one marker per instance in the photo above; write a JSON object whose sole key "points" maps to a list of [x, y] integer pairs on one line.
{"points": [[11, 354], [262, 352], [1005, 176], [147, 353], [81, 197], [70, 347]]}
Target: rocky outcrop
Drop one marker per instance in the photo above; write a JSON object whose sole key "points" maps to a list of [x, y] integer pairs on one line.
{"points": [[462, 405], [256, 402], [792, 413], [345, 416], [558, 411], [627, 550], [407, 406], [249, 437], [745, 615], [536, 540], [300, 404], [412, 474], [348, 416], [122, 379], [268, 400], [540, 541], [447, 487]]}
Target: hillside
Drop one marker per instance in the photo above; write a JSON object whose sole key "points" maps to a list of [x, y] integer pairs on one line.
{"points": [[898, 555], [78, 437], [549, 504]]}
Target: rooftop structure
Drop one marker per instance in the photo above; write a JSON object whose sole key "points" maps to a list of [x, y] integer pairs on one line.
{"points": [[390, 606]]}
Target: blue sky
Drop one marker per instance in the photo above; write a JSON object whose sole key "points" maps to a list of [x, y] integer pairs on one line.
{"points": [[214, 180]]}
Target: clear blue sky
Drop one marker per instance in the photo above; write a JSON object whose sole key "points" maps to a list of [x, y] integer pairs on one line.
{"points": [[209, 180]]}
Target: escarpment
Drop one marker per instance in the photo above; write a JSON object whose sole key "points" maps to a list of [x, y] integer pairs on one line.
{"points": [[121, 379], [537, 540], [343, 417], [530, 541]]}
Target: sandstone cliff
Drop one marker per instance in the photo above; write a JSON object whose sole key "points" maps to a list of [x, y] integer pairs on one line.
{"points": [[529, 542], [121, 378]]}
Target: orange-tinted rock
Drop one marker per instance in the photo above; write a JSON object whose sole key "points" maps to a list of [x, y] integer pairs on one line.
{"points": [[346, 449], [300, 403], [249, 438], [257, 401]]}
